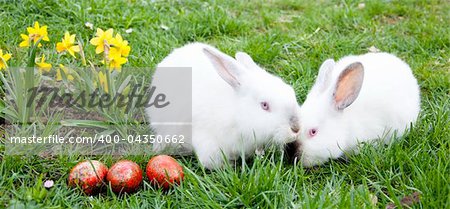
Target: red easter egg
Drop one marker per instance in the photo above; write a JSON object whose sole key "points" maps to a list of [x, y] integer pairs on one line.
{"points": [[88, 175], [125, 176], [164, 171]]}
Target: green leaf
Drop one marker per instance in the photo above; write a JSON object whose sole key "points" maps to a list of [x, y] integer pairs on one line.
{"points": [[85, 123], [32, 54], [124, 84]]}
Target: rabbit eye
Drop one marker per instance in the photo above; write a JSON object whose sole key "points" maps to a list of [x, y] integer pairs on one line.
{"points": [[265, 106], [312, 132]]}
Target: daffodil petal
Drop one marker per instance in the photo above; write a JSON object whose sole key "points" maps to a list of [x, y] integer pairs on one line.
{"points": [[75, 48], [99, 49], [113, 53], [122, 61], [60, 47], [30, 30], [36, 25], [99, 32], [126, 51], [71, 52], [72, 39], [109, 33], [95, 41], [119, 38], [66, 35], [43, 30], [24, 44], [6, 57]]}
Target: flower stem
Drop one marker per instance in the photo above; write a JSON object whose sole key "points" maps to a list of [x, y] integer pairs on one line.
{"points": [[83, 58]]}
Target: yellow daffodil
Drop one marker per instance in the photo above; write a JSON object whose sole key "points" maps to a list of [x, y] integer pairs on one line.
{"points": [[103, 81], [100, 38], [3, 59], [66, 72], [43, 66], [120, 45], [116, 61], [68, 44], [26, 41], [34, 34]]}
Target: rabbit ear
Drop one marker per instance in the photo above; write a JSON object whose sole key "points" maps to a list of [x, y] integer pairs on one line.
{"points": [[246, 60], [323, 78], [225, 66], [348, 85]]}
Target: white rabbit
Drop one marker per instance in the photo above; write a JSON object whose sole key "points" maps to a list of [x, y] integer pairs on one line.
{"points": [[358, 99], [236, 106]]}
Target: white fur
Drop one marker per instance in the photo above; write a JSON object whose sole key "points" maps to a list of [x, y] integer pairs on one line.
{"points": [[225, 118], [388, 102]]}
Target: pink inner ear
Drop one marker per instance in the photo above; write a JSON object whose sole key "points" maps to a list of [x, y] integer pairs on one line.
{"points": [[348, 85], [345, 87]]}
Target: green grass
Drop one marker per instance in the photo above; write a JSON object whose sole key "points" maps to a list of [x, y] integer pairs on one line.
{"points": [[290, 39]]}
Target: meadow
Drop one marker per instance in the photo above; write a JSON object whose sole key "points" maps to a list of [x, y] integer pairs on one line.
{"points": [[289, 38]]}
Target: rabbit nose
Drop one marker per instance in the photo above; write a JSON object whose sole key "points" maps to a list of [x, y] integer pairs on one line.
{"points": [[295, 129], [295, 126]]}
